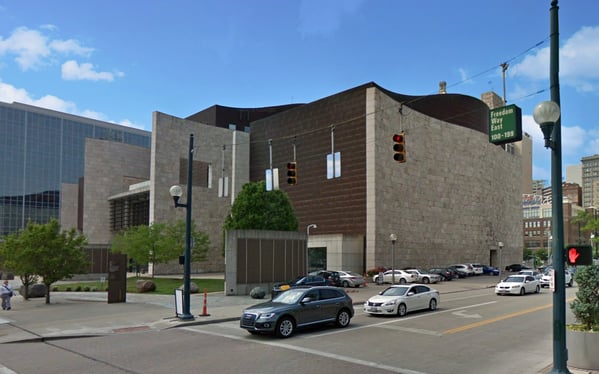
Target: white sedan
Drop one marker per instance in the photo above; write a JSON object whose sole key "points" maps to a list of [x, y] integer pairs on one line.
{"points": [[518, 285], [401, 299], [401, 277]]}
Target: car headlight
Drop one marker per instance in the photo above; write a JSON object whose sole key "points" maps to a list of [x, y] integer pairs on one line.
{"points": [[389, 303], [266, 315]]}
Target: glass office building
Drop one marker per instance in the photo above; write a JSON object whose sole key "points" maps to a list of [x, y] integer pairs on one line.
{"points": [[41, 149]]}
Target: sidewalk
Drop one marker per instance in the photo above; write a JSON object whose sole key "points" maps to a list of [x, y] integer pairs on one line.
{"points": [[76, 314]]}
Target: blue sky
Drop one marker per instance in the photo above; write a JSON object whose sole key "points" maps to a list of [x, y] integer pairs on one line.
{"points": [[119, 61]]}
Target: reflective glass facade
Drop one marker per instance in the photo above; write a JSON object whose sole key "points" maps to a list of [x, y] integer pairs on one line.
{"points": [[39, 150]]}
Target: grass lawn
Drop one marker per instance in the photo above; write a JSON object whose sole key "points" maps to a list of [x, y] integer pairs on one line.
{"points": [[164, 286]]}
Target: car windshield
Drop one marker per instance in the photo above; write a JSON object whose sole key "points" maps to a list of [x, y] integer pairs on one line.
{"points": [[395, 291], [514, 279], [291, 296]]}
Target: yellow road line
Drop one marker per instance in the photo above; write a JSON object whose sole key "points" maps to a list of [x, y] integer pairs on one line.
{"points": [[499, 318]]}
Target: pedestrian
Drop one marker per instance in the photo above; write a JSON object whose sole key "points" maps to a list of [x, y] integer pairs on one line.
{"points": [[6, 293]]}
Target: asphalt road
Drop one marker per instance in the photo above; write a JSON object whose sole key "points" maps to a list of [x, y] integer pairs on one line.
{"points": [[472, 332]]}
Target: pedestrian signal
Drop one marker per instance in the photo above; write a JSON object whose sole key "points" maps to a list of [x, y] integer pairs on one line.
{"points": [[579, 254]]}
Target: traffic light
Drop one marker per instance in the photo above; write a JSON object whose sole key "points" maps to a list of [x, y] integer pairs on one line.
{"points": [[399, 147], [292, 173], [579, 254]]}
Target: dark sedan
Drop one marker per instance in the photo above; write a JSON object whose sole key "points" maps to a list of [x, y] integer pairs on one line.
{"points": [[309, 280], [446, 274], [299, 307], [516, 267], [459, 272]]}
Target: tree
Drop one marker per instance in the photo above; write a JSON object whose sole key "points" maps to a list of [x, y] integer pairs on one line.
{"points": [[45, 251], [17, 257], [258, 209], [159, 242]]}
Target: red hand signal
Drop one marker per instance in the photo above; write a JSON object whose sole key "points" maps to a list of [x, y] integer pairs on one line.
{"points": [[573, 255]]}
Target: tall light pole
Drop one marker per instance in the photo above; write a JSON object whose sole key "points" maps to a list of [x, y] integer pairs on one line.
{"points": [[176, 193], [500, 245], [547, 115], [594, 234], [393, 239], [310, 226]]}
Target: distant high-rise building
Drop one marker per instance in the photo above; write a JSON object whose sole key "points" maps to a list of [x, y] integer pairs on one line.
{"points": [[590, 181], [574, 174]]}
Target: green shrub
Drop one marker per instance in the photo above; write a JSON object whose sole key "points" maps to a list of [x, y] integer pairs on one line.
{"points": [[586, 305], [78, 289], [68, 289], [86, 289]]}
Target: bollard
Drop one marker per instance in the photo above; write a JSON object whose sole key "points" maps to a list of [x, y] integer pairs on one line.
{"points": [[205, 308]]}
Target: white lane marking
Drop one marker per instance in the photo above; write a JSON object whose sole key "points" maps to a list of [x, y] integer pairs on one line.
{"points": [[409, 329], [311, 351], [462, 313]]}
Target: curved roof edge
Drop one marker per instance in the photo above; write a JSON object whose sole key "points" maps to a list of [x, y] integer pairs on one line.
{"points": [[462, 110]]}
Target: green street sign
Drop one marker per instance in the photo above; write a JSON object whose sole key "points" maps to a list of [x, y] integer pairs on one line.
{"points": [[505, 125]]}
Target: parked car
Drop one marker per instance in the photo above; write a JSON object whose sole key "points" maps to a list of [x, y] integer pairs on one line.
{"points": [[351, 279], [401, 299], [466, 268], [297, 308], [490, 270], [333, 276], [516, 267], [446, 274], [518, 285], [401, 277], [309, 280], [534, 273], [424, 277], [460, 272], [546, 280], [477, 268]]}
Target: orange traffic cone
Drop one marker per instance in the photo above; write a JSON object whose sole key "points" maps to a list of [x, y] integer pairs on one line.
{"points": [[205, 308]]}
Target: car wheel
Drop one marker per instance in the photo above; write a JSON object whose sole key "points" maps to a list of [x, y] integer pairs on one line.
{"points": [[402, 281], [402, 310], [345, 284], [285, 327], [432, 305], [343, 318], [538, 289], [522, 291]]}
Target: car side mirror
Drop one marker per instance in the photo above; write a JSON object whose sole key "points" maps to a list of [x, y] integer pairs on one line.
{"points": [[411, 293], [306, 299]]}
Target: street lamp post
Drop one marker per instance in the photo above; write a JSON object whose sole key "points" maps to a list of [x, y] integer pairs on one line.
{"points": [[500, 245], [547, 115], [176, 193], [310, 226], [594, 234], [393, 239]]}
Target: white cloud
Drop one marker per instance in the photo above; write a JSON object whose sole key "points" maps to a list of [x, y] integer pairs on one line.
{"points": [[72, 70], [577, 62], [30, 48], [70, 46]]}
